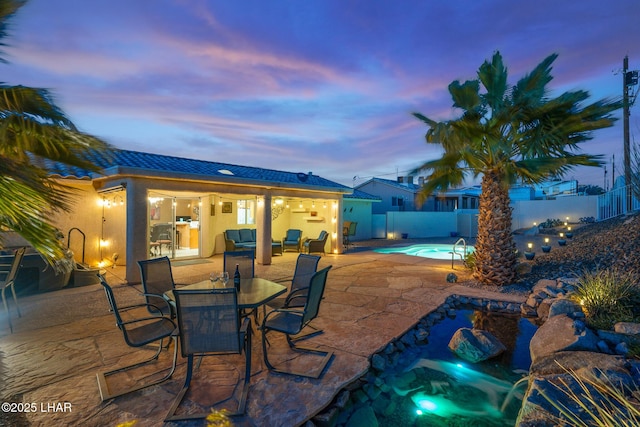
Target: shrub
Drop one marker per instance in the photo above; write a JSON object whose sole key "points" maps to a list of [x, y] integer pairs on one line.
{"points": [[550, 223], [607, 297], [587, 220], [470, 260]]}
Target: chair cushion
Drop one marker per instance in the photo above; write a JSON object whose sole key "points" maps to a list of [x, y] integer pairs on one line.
{"points": [[292, 235], [233, 235], [246, 236]]}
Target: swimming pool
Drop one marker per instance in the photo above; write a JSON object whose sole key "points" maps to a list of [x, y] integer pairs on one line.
{"points": [[425, 250]]}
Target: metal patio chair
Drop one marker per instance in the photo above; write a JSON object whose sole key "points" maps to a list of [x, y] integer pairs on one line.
{"points": [[9, 282], [306, 267], [291, 321], [209, 324], [138, 332], [157, 279]]}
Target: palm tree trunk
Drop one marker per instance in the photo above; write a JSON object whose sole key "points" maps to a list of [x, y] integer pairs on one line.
{"points": [[495, 250]]}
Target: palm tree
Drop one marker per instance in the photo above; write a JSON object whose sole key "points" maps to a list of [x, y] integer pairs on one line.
{"points": [[505, 134], [35, 133]]}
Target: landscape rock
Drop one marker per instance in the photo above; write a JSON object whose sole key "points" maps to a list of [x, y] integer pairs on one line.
{"points": [[628, 328], [475, 345], [561, 333], [565, 306]]}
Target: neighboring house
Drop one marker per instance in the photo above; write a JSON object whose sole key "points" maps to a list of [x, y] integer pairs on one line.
{"points": [[395, 196], [401, 195], [358, 207], [556, 188], [141, 199]]}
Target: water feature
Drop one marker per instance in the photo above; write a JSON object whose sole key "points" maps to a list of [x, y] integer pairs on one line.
{"points": [[426, 250], [425, 384]]}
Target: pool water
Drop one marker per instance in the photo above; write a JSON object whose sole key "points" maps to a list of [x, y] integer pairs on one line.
{"points": [[429, 250], [434, 387]]}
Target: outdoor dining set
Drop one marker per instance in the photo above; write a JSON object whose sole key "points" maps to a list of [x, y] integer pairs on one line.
{"points": [[213, 317]]}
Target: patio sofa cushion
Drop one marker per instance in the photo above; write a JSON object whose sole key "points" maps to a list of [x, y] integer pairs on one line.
{"points": [[247, 235], [245, 238]]}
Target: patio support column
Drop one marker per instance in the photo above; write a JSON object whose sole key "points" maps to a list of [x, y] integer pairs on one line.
{"points": [[137, 229], [263, 230], [336, 226]]}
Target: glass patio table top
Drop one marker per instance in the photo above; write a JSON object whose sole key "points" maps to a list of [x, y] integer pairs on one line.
{"points": [[253, 292]]}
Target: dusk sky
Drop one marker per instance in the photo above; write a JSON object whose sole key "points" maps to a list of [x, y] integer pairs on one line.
{"points": [[326, 86]]}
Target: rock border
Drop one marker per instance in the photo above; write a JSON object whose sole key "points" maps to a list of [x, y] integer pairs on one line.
{"points": [[562, 343]]}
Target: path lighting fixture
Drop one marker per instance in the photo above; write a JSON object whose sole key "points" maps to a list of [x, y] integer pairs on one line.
{"points": [[569, 233], [546, 247], [529, 254], [562, 241]]}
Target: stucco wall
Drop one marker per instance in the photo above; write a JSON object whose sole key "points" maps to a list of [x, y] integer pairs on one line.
{"points": [[526, 212], [359, 211]]}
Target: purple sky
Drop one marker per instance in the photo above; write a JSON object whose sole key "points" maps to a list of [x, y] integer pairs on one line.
{"points": [[316, 85]]}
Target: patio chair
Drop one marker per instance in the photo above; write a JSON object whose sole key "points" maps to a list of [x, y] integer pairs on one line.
{"points": [[245, 261], [138, 332], [316, 245], [9, 281], [157, 279], [306, 267], [291, 321], [210, 325], [348, 230], [292, 240]]}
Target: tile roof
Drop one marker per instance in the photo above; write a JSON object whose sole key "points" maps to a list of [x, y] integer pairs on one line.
{"points": [[161, 164], [401, 185], [358, 194]]}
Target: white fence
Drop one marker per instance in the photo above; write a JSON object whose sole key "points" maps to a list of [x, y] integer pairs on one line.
{"points": [[616, 202], [464, 222]]}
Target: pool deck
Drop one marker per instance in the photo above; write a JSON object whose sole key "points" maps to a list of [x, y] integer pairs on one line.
{"points": [[64, 337]]}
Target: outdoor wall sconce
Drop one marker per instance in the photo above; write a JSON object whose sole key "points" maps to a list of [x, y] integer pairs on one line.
{"points": [[529, 254], [562, 241]]}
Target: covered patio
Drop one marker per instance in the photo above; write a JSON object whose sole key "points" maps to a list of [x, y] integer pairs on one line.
{"points": [[65, 337]]}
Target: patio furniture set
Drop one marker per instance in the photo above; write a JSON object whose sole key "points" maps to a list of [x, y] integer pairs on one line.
{"points": [[245, 238], [208, 318]]}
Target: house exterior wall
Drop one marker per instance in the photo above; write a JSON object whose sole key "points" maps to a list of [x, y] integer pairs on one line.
{"points": [[359, 211], [387, 193]]}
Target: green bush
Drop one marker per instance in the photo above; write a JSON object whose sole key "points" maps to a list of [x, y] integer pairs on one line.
{"points": [[470, 260], [607, 297], [550, 223]]}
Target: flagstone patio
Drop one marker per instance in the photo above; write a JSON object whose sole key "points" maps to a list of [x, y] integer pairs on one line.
{"points": [[63, 338]]}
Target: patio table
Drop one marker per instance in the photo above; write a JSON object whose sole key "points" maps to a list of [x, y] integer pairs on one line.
{"points": [[253, 292]]}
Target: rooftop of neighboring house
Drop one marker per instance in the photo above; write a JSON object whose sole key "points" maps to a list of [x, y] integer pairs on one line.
{"points": [[361, 195]]}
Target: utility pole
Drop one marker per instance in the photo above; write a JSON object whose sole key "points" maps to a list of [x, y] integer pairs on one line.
{"points": [[629, 79]]}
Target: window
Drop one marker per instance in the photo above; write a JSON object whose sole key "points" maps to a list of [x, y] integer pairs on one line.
{"points": [[246, 211], [397, 201]]}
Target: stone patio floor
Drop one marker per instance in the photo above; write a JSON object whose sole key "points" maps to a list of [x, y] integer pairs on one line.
{"points": [[65, 337]]}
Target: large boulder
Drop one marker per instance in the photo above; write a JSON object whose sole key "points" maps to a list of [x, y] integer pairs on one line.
{"points": [[560, 333], [475, 345]]}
